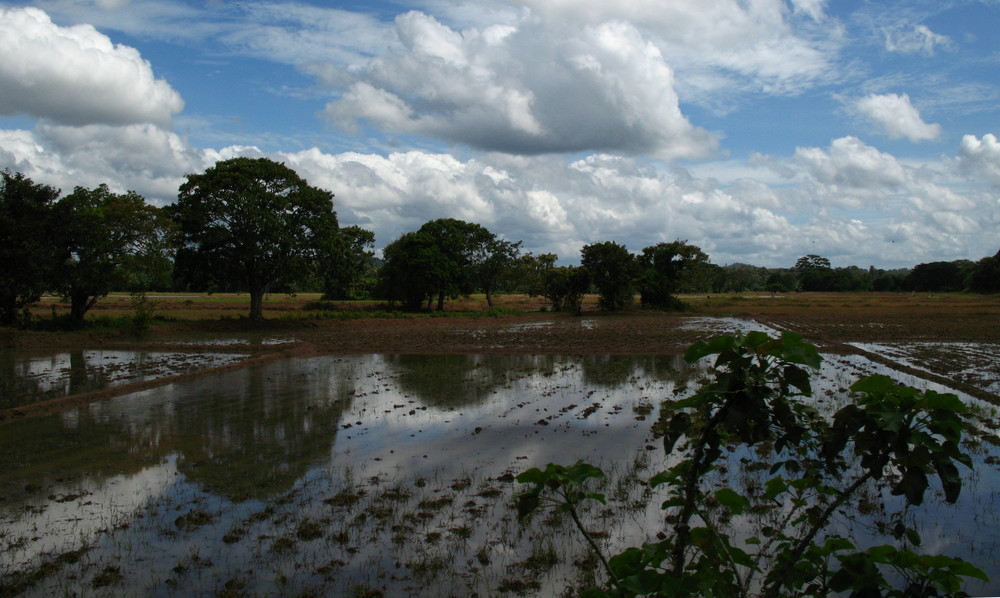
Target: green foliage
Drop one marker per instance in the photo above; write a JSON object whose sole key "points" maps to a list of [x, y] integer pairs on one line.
{"points": [[446, 258], [144, 310], [253, 225], [496, 258], [938, 277], [27, 253], [98, 233], [613, 271], [984, 277], [663, 267], [812, 262], [816, 466], [815, 274], [347, 262], [414, 269], [527, 275], [565, 287]]}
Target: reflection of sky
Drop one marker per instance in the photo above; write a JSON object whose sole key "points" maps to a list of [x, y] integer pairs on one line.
{"points": [[385, 430], [63, 373], [80, 512], [507, 423]]}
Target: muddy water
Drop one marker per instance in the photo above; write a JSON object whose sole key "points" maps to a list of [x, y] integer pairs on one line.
{"points": [[122, 472], [338, 473], [25, 379]]}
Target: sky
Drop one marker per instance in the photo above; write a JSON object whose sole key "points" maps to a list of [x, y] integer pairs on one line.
{"points": [[758, 130]]}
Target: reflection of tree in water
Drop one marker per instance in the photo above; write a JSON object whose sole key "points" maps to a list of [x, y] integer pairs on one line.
{"points": [[454, 381], [257, 441], [69, 446], [611, 371], [246, 434], [607, 370], [79, 378], [16, 389], [27, 380]]}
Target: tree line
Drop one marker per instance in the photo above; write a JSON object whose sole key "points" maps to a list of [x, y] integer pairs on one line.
{"points": [[254, 225]]}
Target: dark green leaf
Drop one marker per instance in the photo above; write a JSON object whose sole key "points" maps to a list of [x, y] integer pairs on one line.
{"points": [[730, 499]]}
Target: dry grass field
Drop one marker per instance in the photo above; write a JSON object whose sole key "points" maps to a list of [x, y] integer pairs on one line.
{"points": [[824, 318]]}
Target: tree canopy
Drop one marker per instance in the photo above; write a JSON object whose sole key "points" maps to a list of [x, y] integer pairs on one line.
{"points": [[985, 275], [413, 270], [445, 258], [613, 271], [251, 223], [662, 268], [565, 286], [937, 276], [348, 261], [98, 232], [27, 255]]}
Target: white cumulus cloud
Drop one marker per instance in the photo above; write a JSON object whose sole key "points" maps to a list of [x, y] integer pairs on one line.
{"points": [[897, 116], [850, 163], [847, 201], [719, 46], [76, 75], [531, 89], [980, 157]]}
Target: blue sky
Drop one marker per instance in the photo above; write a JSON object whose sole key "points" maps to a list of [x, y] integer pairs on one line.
{"points": [[759, 130]]}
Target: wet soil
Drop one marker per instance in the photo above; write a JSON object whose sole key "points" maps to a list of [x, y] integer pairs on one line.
{"points": [[829, 321]]}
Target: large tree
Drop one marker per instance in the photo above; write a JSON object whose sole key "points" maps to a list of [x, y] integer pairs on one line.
{"points": [[414, 269], [985, 276], [98, 232], [252, 224], [347, 262], [496, 258], [938, 277], [446, 258], [816, 275], [528, 273], [565, 287], [662, 268], [464, 248], [27, 253], [613, 271]]}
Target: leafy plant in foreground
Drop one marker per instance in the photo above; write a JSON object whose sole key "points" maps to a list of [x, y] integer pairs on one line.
{"points": [[892, 437]]}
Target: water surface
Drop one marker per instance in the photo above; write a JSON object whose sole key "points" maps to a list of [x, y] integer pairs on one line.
{"points": [[389, 472]]}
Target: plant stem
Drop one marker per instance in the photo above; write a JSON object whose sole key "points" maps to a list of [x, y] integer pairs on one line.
{"points": [[593, 545], [778, 577]]}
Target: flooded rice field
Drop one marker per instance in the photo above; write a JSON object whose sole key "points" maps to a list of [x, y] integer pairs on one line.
{"points": [[26, 379], [975, 364], [347, 474]]}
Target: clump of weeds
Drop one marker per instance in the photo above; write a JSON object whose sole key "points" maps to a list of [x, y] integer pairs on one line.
{"points": [[435, 504], [193, 519], [309, 529], [394, 494], [428, 567], [233, 588], [541, 559], [283, 544], [22, 580], [346, 498], [108, 576]]}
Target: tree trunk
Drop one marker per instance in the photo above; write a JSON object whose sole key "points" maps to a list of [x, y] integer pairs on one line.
{"points": [[79, 303], [441, 301], [256, 304], [489, 298]]}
